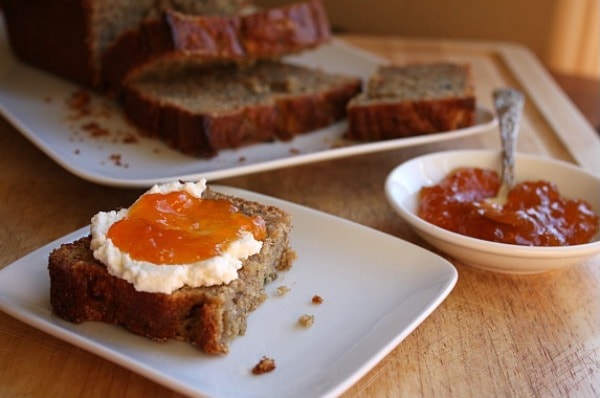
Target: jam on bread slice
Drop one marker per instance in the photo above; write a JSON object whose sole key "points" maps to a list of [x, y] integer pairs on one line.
{"points": [[82, 290]]}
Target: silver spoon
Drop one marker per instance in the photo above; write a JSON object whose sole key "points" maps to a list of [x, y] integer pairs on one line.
{"points": [[508, 104]]}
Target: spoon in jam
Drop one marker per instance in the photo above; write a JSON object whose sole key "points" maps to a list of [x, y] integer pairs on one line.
{"points": [[508, 104]]}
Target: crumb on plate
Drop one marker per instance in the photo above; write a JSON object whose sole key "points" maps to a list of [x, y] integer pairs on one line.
{"points": [[282, 290], [306, 320], [265, 365]]}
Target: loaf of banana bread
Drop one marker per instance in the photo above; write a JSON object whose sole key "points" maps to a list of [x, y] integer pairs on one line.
{"points": [[401, 101], [202, 110], [180, 37], [81, 289], [69, 37]]}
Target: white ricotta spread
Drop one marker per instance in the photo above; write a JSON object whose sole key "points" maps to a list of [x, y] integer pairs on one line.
{"points": [[156, 278]]}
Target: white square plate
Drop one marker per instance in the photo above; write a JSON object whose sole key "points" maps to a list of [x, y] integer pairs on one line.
{"points": [[102, 147], [390, 285]]}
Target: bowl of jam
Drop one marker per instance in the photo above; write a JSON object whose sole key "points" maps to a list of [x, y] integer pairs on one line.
{"points": [[549, 220]]}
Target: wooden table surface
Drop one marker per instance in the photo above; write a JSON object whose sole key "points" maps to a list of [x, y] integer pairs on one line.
{"points": [[495, 334]]}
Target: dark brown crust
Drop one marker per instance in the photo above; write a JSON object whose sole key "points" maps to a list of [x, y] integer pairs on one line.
{"points": [[300, 114], [388, 120], [202, 134], [265, 34], [209, 318], [39, 36], [285, 29]]}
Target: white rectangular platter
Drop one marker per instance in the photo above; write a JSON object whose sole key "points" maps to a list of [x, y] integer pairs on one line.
{"points": [[101, 146], [376, 290]]}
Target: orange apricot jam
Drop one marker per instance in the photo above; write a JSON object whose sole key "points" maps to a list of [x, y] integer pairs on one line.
{"points": [[178, 228], [534, 215]]}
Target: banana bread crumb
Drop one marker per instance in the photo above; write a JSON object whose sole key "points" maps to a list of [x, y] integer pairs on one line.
{"points": [[283, 290], [265, 365], [306, 320]]}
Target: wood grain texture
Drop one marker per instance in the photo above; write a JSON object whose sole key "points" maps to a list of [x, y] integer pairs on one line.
{"points": [[495, 335]]}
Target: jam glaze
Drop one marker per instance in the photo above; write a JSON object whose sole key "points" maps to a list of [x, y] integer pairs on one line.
{"points": [[534, 215], [179, 228]]}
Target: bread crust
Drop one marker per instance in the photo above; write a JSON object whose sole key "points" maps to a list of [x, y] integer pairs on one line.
{"points": [[176, 36], [389, 120], [81, 289], [39, 36]]}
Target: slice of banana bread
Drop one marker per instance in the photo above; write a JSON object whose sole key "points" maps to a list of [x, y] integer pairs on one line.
{"points": [[68, 38], [178, 36], [402, 101], [81, 290], [203, 110]]}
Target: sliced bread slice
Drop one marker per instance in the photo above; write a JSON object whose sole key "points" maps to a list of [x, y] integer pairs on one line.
{"points": [[409, 100], [81, 289], [203, 110]]}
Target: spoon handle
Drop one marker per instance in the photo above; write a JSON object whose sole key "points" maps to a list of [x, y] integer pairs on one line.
{"points": [[508, 103]]}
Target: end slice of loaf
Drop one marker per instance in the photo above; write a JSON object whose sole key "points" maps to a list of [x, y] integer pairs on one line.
{"points": [[179, 36], [409, 100], [200, 110], [69, 38], [81, 290]]}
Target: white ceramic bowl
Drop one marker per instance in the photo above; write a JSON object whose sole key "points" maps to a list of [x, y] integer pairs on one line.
{"points": [[404, 182]]}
